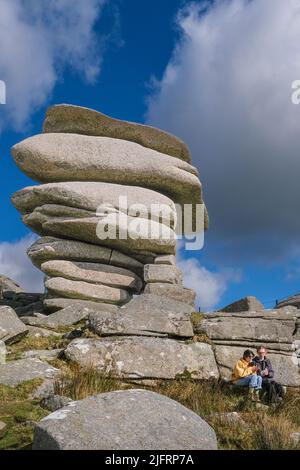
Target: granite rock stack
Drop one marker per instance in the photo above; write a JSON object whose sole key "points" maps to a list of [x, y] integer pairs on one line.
{"points": [[103, 178]]}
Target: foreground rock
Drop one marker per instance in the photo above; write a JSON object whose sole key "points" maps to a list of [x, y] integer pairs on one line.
{"points": [[134, 357], [15, 372], [146, 315], [11, 328], [70, 157], [124, 420], [247, 304], [72, 119], [278, 330]]}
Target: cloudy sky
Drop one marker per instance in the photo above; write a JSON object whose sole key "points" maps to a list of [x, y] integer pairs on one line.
{"points": [[218, 74]]}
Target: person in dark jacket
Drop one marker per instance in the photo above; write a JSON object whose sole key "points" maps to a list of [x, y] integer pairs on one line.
{"points": [[273, 389]]}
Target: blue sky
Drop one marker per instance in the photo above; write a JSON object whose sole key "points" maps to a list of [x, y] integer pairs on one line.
{"points": [[204, 71]]}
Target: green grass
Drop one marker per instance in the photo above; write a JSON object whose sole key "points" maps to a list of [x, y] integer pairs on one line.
{"points": [[17, 410], [28, 343]]}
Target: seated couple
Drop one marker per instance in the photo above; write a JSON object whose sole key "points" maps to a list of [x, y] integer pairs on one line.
{"points": [[256, 373]]}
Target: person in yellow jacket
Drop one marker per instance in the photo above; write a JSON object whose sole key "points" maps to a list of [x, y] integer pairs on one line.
{"points": [[244, 374]]}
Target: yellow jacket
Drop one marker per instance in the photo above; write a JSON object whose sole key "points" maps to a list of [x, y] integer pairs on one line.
{"points": [[241, 369]]}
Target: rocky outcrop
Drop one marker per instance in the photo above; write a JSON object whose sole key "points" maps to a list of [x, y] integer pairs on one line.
{"points": [[278, 330], [11, 328], [107, 215], [247, 304], [131, 420]]}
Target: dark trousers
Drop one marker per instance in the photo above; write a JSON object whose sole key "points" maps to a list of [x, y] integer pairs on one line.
{"points": [[272, 389]]}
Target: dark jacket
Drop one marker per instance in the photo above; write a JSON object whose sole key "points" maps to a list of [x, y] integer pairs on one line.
{"points": [[264, 364]]}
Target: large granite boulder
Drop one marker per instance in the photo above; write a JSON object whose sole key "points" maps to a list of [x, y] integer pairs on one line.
{"points": [[162, 273], [145, 315], [133, 357], [66, 317], [71, 157], [11, 327], [65, 118], [124, 420], [247, 304]]}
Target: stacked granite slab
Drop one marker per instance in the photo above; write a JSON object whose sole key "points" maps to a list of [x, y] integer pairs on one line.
{"points": [[87, 163], [130, 288]]}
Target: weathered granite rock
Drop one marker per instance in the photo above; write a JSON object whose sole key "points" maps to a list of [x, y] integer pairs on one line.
{"points": [[293, 300], [42, 354], [165, 259], [144, 357], [162, 273], [8, 285], [145, 315], [268, 326], [66, 317], [15, 372], [63, 221], [173, 291], [98, 197], [50, 248], [2, 352], [52, 305], [71, 157], [11, 328], [65, 118], [86, 291], [95, 273], [247, 304], [124, 420]]}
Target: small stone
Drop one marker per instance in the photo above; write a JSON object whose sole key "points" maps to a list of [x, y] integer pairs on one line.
{"points": [[54, 402], [2, 426], [162, 273], [73, 334], [43, 355], [166, 259], [295, 437], [173, 291]]}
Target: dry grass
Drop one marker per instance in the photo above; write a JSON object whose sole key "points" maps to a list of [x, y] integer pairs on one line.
{"points": [[30, 343], [273, 433], [80, 382]]}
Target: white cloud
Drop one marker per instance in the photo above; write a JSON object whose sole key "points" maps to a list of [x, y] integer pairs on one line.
{"points": [[15, 264], [227, 92], [209, 286], [38, 40]]}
